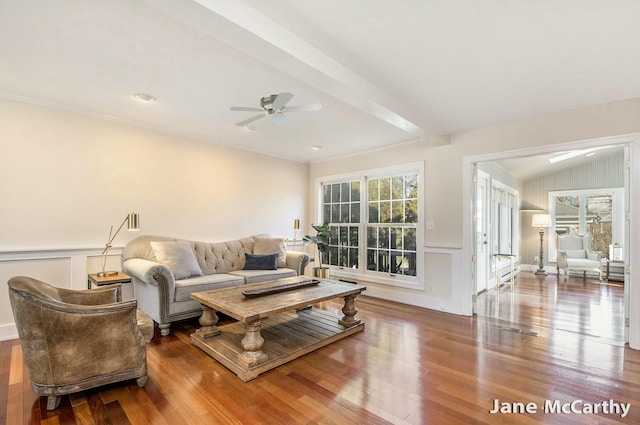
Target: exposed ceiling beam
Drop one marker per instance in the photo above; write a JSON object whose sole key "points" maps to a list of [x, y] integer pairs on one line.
{"points": [[244, 28]]}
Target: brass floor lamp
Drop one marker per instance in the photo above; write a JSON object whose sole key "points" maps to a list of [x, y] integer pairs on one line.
{"points": [[133, 224]]}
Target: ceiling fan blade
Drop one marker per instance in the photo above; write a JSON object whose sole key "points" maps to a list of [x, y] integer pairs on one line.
{"points": [[281, 100], [279, 119], [309, 107], [245, 108], [250, 120]]}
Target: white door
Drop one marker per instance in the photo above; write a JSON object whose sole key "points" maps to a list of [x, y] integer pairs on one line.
{"points": [[482, 232]]}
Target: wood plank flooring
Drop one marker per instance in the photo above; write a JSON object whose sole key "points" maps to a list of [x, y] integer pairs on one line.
{"points": [[410, 366]]}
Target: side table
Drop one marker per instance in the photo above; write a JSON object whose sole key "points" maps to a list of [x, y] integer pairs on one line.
{"points": [[615, 270], [95, 281]]}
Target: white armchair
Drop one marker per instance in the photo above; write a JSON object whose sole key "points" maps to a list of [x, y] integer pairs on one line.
{"points": [[574, 254]]}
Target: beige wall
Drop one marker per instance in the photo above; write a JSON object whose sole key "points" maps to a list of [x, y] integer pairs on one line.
{"points": [[65, 178]]}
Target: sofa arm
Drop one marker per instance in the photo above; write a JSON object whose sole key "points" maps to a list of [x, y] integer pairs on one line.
{"points": [[297, 261], [154, 285]]}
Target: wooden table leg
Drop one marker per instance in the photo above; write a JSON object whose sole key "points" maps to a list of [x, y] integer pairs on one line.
{"points": [[349, 311], [252, 344], [208, 320]]}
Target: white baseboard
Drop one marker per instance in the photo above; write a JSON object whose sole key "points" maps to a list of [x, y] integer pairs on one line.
{"points": [[8, 331]]}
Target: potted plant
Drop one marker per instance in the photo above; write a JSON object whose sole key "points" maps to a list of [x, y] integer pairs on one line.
{"points": [[321, 241]]}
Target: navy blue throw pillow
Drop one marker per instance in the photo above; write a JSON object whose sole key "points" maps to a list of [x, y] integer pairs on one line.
{"points": [[261, 262]]}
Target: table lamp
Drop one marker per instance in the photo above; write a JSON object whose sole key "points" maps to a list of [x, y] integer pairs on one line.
{"points": [[133, 224]]}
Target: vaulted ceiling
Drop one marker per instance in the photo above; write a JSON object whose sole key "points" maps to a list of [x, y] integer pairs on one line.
{"points": [[385, 72]]}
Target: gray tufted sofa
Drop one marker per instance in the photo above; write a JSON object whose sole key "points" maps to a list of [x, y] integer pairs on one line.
{"points": [[166, 299]]}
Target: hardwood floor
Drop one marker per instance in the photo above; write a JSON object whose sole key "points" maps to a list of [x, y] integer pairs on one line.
{"points": [[409, 366], [588, 307]]}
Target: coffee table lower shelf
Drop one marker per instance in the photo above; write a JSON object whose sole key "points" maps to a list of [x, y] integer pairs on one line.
{"points": [[287, 336]]}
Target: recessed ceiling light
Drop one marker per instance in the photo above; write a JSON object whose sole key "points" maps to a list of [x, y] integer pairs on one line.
{"points": [[144, 97], [316, 148]]}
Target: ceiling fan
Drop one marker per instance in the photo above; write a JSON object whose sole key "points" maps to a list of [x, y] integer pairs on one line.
{"points": [[274, 106]]}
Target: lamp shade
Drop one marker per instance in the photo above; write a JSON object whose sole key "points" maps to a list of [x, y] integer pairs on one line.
{"points": [[541, 220], [133, 222]]}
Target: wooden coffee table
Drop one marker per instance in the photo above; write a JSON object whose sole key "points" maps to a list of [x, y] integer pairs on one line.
{"points": [[273, 329]]}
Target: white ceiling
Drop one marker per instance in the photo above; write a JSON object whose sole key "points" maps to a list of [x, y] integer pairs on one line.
{"points": [[386, 72]]}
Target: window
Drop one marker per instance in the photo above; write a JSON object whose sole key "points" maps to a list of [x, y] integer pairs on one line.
{"points": [[596, 211], [375, 223]]}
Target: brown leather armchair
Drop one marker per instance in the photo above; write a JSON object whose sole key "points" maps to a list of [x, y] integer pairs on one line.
{"points": [[76, 340]]}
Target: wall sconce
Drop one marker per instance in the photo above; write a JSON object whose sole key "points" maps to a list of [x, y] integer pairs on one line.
{"points": [[133, 224]]}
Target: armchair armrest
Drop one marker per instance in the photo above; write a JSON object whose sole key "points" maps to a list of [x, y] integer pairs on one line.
{"points": [[561, 258], [297, 261], [107, 295]]}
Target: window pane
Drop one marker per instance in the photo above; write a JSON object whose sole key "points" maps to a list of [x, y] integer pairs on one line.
{"points": [[335, 193], [385, 212], [385, 189], [383, 237], [373, 212], [353, 236], [396, 238], [327, 193], [372, 237], [397, 191], [599, 224], [344, 235], [355, 191], [333, 255], [411, 211], [326, 213], [333, 238], [411, 186], [396, 262], [397, 211], [568, 214], [335, 213], [344, 192], [373, 190], [353, 258], [344, 213], [355, 212], [410, 239]]}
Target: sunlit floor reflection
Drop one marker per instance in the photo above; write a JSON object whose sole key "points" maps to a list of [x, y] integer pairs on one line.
{"points": [[587, 307]]}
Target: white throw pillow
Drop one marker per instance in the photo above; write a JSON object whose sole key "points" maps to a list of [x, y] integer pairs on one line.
{"points": [[265, 245], [575, 253], [178, 256]]}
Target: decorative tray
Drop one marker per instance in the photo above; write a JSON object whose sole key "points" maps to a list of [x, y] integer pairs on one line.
{"points": [[249, 293]]}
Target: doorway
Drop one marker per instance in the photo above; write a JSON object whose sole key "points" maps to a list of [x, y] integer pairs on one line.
{"points": [[525, 255]]}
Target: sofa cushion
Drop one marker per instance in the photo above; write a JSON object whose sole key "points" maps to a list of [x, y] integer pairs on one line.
{"points": [[185, 287], [257, 276], [178, 256], [575, 253], [261, 262], [267, 245]]}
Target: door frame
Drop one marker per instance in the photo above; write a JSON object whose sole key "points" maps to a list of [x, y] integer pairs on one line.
{"points": [[632, 291]]}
